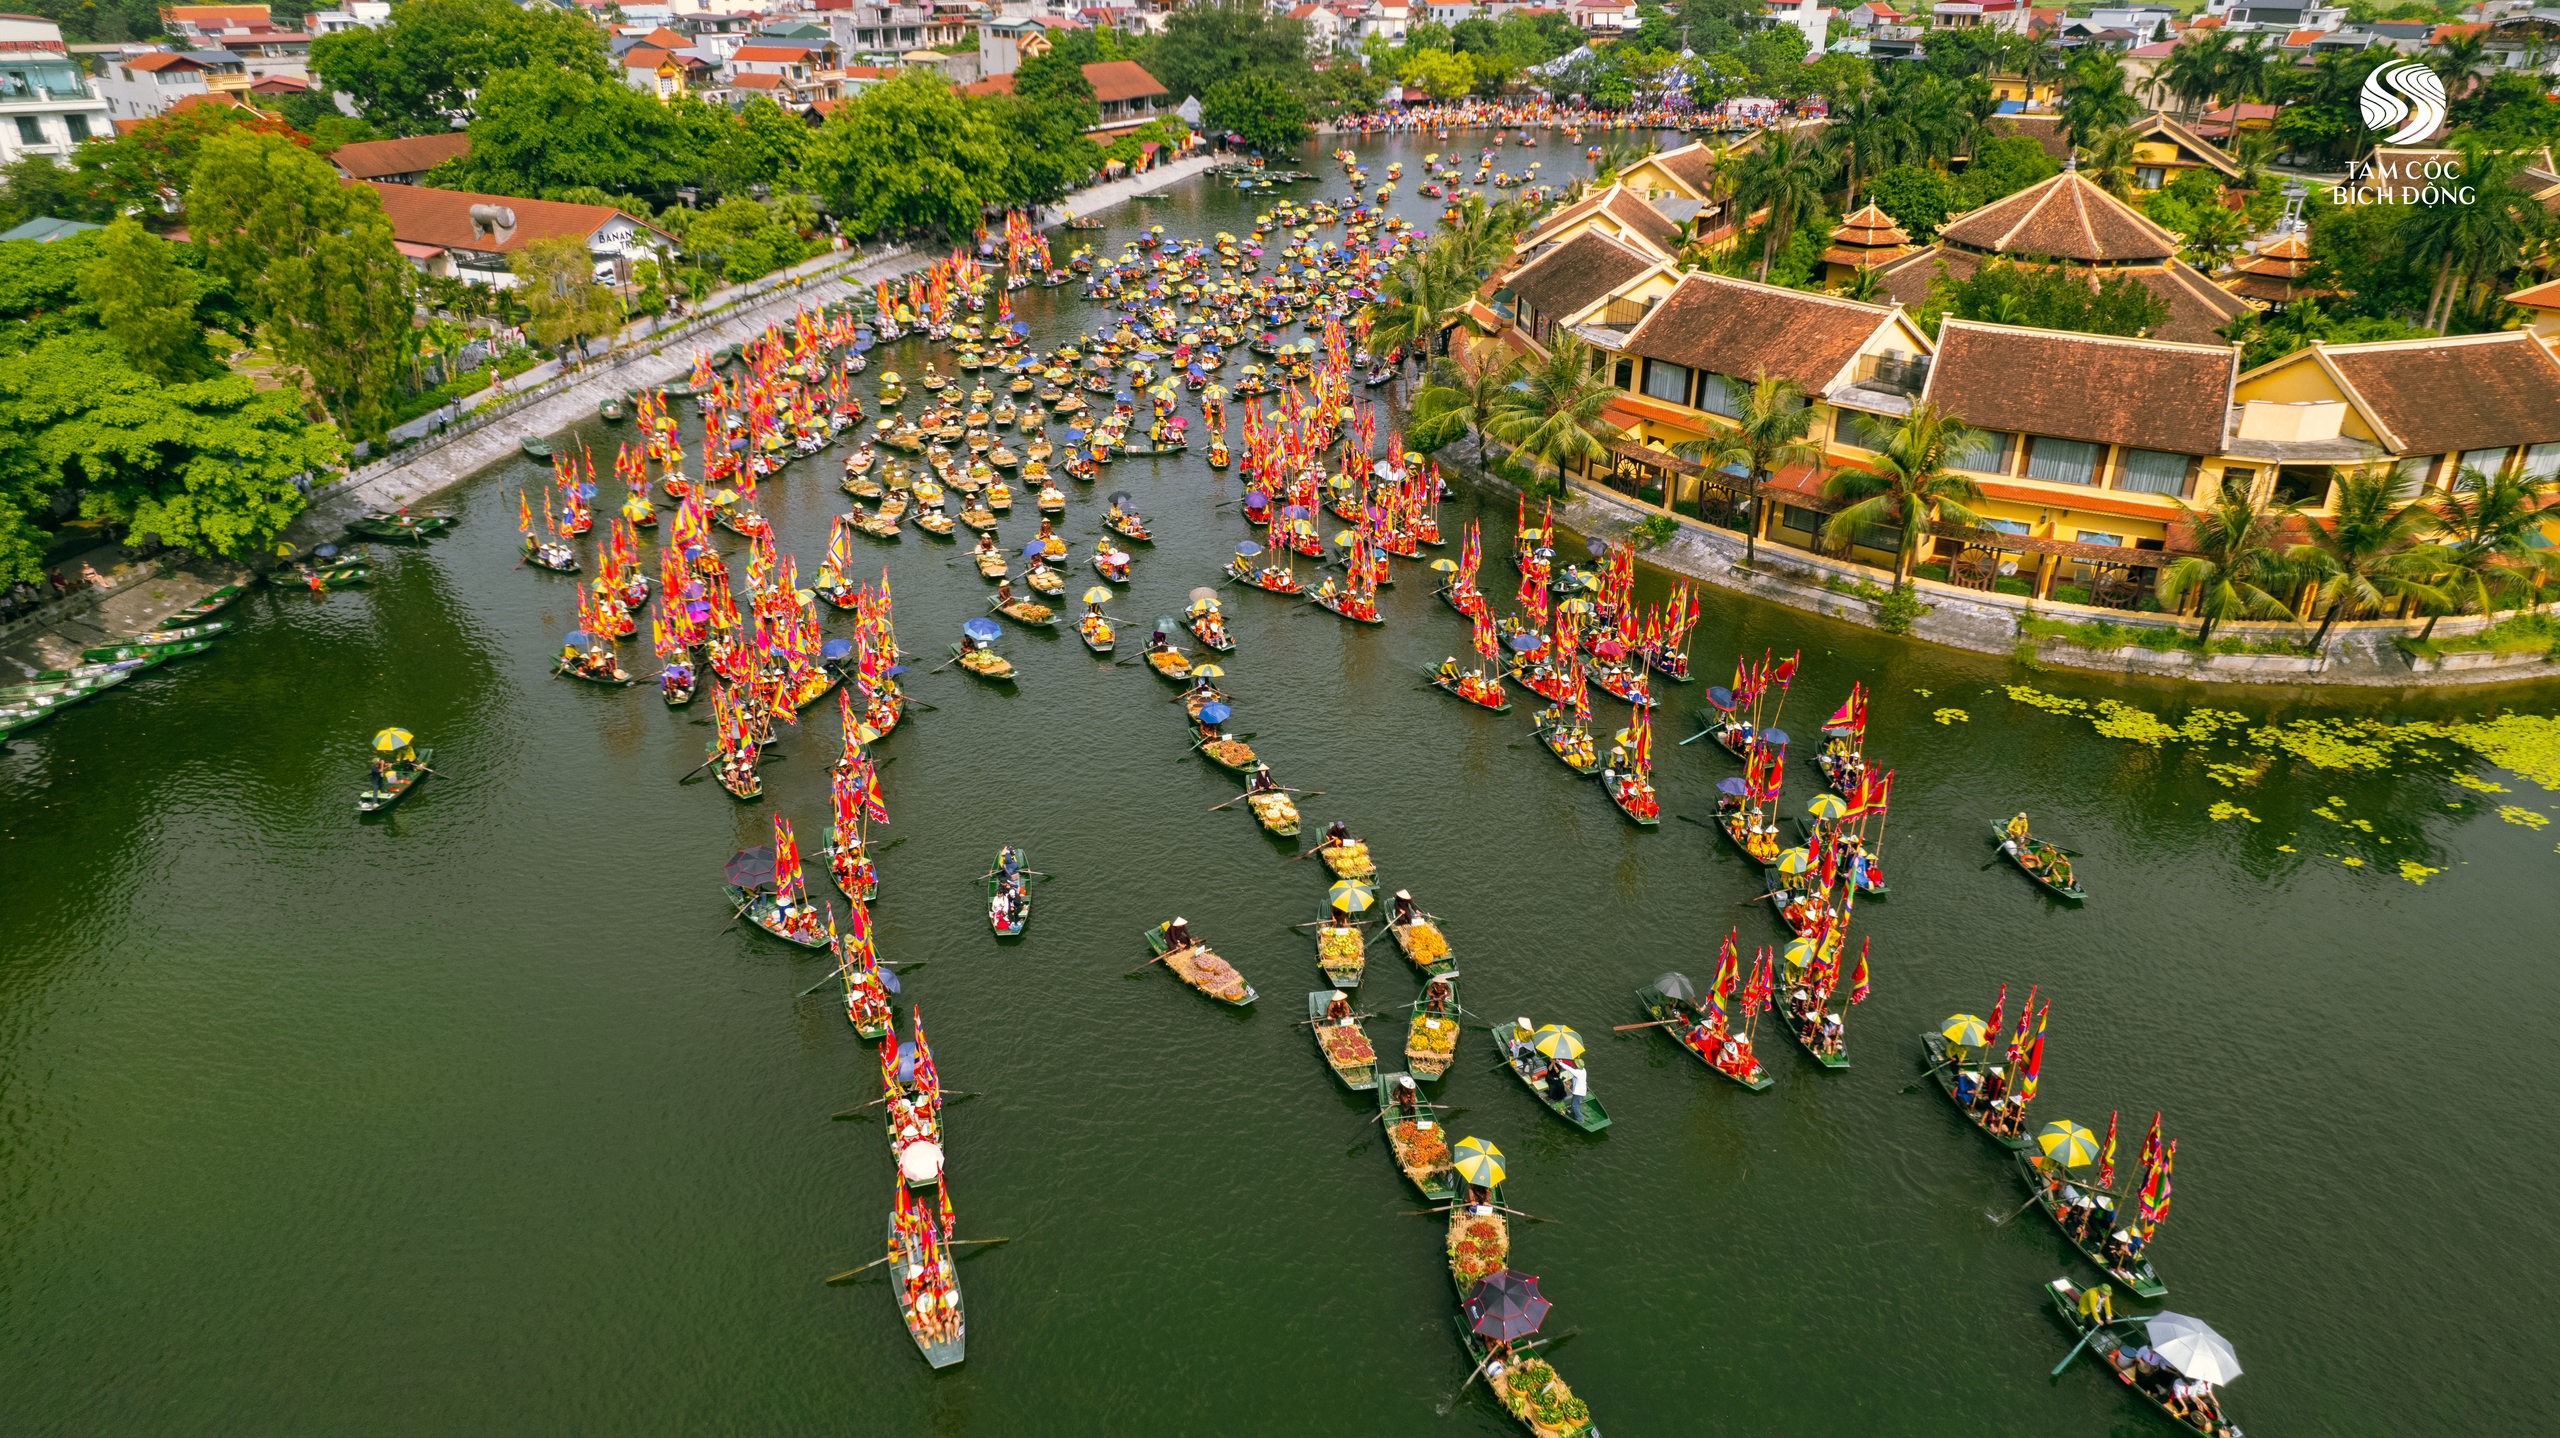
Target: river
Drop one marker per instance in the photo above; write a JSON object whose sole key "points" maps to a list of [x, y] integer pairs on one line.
{"points": [[478, 1119]]}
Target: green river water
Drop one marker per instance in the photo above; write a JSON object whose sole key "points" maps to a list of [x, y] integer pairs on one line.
{"points": [[476, 1119]]}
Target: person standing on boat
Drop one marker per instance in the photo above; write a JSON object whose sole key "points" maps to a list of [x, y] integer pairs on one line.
{"points": [[1577, 1087]]}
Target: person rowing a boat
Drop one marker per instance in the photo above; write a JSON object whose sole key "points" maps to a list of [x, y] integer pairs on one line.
{"points": [[1177, 934], [1449, 668], [1260, 781], [1407, 1099], [1336, 832], [1339, 1009]]}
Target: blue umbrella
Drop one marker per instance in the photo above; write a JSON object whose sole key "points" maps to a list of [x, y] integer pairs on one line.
{"points": [[1596, 547], [894, 670], [835, 649], [1032, 548], [1721, 697], [577, 637], [1733, 786], [326, 551], [1297, 511], [862, 346], [1248, 548], [1021, 327], [1075, 436], [1523, 643], [586, 491], [1124, 397], [982, 629], [1214, 712], [1774, 738], [889, 980]]}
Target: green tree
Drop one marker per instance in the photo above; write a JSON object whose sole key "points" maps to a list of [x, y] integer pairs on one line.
{"points": [[2367, 552], [910, 154], [1416, 302], [2471, 241], [556, 280], [1556, 413], [2109, 161], [1209, 42], [33, 186], [417, 75], [747, 240], [142, 171], [1867, 135], [1769, 435], [1918, 198], [143, 297], [2233, 569], [1908, 483], [2095, 98], [2485, 552], [543, 132], [761, 145], [2004, 166], [313, 264], [1465, 392], [1784, 176], [207, 465], [1052, 108], [2049, 297], [1267, 114]]}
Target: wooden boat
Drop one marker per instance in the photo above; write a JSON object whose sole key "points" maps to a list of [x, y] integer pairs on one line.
{"points": [[1657, 1005], [1170, 662], [1572, 746], [1275, 811], [1096, 632], [1233, 755], [939, 1351], [207, 605], [1792, 1015], [1333, 602], [991, 564], [1348, 858], [1008, 894], [1274, 580], [1634, 795], [1419, 1146], [985, 663], [1342, 952], [2044, 881], [1424, 945], [619, 679], [1478, 1243], [1529, 1386], [979, 518], [1195, 965], [763, 909], [1126, 524], [1345, 1048], [389, 531], [2142, 1278], [374, 798], [1044, 580], [1935, 1047], [1024, 612], [934, 522], [1595, 1116], [1624, 683], [1500, 703], [534, 446], [1209, 627], [2109, 1349], [193, 639], [1431, 1040]]}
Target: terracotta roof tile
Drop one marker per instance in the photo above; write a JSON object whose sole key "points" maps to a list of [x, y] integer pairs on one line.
{"points": [[1692, 165], [1735, 327], [2197, 306], [1122, 80], [372, 159], [2066, 217], [2149, 394], [2437, 395], [1577, 273], [442, 218]]}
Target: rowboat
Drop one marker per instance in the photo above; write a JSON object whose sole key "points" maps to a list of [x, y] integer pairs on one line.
{"points": [[934, 522], [1169, 662], [170, 642], [762, 908], [2110, 1350], [389, 531], [2038, 871], [1233, 755], [1595, 1117], [1334, 602], [1419, 1146], [1795, 1005], [1624, 683], [1634, 795], [1431, 1039], [1345, 1048], [943, 1336], [1347, 857], [534, 446], [207, 605], [1126, 524], [1484, 693], [1478, 1242], [374, 798], [558, 558], [1423, 943], [1530, 1387], [1684, 1032], [1342, 952], [1096, 632], [1195, 965], [985, 663], [2139, 1276], [1934, 1046], [1867, 887], [1008, 894], [1572, 746], [619, 679], [1028, 614]]}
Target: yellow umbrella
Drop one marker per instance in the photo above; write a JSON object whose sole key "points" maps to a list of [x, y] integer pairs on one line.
{"points": [[390, 739], [1352, 897], [1478, 1162], [1827, 806], [1207, 671], [1794, 861], [1623, 736], [1444, 566], [1800, 953], [2067, 1143], [1965, 1031], [1345, 537], [1557, 1042], [1098, 594]]}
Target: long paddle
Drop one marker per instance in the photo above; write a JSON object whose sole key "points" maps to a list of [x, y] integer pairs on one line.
{"points": [[1914, 1086], [2084, 1342], [1651, 1023], [845, 1277], [2032, 1199]]}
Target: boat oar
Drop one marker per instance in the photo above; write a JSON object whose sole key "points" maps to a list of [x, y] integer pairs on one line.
{"points": [[1648, 1024], [1694, 738], [2084, 1342], [1914, 1086], [841, 1279], [2032, 1199], [1302, 1023]]}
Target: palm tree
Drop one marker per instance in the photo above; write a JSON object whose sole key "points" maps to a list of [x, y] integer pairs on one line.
{"points": [[2459, 60], [1866, 135], [2471, 243], [1617, 157], [2217, 232], [2094, 97], [794, 211], [2197, 70], [1554, 414], [2251, 153], [2233, 560], [1785, 177], [2110, 162], [1415, 303], [2368, 553], [2484, 549], [1907, 480], [1465, 392], [1770, 435]]}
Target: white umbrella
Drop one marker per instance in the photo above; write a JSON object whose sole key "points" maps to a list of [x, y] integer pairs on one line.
{"points": [[2192, 1347], [921, 1161]]}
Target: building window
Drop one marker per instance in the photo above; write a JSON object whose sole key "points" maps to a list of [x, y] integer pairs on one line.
{"points": [[1802, 521], [2304, 484], [2091, 536], [2236, 482], [2542, 461], [2063, 461], [2151, 471], [2148, 176], [1625, 375], [1666, 381], [2409, 477], [30, 130], [1718, 394], [2487, 461], [79, 127], [1987, 452]]}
